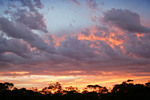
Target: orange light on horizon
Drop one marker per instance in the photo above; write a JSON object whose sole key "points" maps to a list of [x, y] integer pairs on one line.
{"points": [[81, 81]]}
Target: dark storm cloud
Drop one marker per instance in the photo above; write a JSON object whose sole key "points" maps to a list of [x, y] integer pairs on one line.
{"points": [[125, 19], [17, 30]]}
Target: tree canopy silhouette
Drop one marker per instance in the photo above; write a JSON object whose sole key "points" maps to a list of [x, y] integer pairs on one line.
{"points": [[54, 91]]}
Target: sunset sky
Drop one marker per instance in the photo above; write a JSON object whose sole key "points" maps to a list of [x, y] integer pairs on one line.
{"points": [[74, 42]]}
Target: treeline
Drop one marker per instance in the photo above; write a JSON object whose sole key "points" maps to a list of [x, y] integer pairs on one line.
{"points": [[124, 91]]}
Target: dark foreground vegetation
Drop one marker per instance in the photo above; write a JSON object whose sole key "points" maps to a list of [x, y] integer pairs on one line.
{"points": [[125, 91]]}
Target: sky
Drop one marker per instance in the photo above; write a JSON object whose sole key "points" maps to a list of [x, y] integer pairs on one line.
{"points": [[74, 42]]}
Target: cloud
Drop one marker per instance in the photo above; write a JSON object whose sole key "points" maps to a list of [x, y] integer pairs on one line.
{"points": [[15, 46], [38, 4], [11, 60], [79, 54], [29, 15], [34, 21], [76, 2], [19, 31], [106, 49], [31, 4], [137, 47], [125, 19], [92, 4], [74, 48], [86, 32]]}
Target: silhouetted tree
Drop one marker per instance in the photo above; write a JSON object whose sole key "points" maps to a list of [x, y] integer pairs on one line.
{"points": [[147, 84], [129, 80], [98, 89], [52, 88], [6, 86], [129, 91], [123, 91], [70, 89], [35, 89]]}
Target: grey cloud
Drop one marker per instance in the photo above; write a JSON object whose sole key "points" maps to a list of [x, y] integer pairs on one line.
{"points": [[142, 50], [102, 31], [86, 32], [15, 30], [19, 31], [125, 19], [38, 4], [74, 48], [34, 21], [12, 59], [29, 4], [136, 47], [92, 4], [14, 46], [30, 17], [106, 49]]}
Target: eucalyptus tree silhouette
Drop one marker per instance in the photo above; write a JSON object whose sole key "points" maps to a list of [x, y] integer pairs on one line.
{"points": [[71, 89], [97, 88], [52, 88], [129, 91], [6, 86]]}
